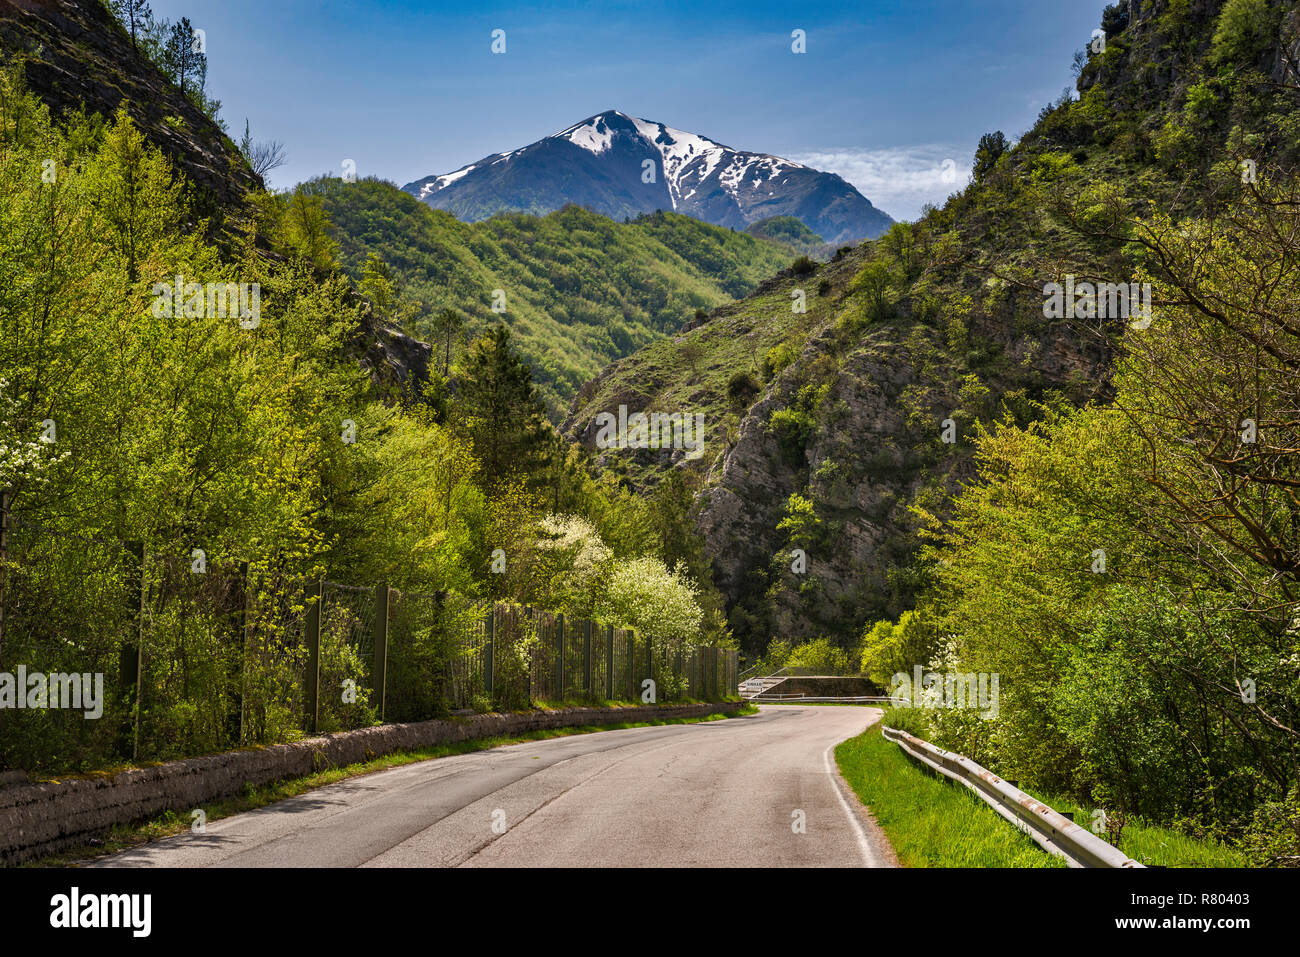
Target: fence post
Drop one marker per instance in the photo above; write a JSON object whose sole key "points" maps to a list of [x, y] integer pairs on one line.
{"points": [[312, 628], [559, 655], [586, 657], [609, 663], [4, 556], [379, 669], [235, 721], [445, 676], [131, 655], [128, 656], [490, 626], [631, 665], [532, 666]]}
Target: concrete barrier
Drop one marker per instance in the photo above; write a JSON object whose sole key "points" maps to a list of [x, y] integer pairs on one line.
{"points": [[42, 818]]}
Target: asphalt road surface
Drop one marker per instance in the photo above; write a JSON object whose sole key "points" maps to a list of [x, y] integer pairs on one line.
{"points": [[726, 793]]}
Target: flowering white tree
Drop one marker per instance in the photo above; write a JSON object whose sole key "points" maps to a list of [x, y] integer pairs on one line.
{"points": [[573, 561], [23, 460], [642, 593]]}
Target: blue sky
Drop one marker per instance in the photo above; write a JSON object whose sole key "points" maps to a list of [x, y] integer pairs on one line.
{"points": [[884, 94]]}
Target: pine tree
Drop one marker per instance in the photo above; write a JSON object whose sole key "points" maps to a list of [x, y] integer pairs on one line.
{"points": [[135, 16], [499, 408], [446, 324], [377, 285], [186, 64]]}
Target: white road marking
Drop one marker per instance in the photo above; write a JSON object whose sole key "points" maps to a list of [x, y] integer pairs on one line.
{"points": [[868, 855]]}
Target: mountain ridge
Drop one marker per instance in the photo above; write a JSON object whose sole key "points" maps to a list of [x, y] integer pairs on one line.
{"points": [[621, 166], [578, 289]]}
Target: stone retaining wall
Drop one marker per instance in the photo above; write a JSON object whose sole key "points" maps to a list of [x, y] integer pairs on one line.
{"points": [[38, 819]]}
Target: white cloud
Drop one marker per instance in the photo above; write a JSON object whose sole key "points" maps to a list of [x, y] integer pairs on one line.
{"points": [[898, 179]]}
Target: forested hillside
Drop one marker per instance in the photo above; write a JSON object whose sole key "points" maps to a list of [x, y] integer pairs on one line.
{"points": [[1048, 432], [794, 235], [190, 440], [577, 289], [1105, 501]]}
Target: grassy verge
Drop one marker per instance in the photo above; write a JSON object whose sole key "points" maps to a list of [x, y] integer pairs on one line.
{"points": [[123, 837], [1151, 844], [882, 774], [561, 703], [930, 821], [112, 770]]}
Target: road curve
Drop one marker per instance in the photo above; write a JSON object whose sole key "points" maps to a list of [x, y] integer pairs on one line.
{"points": [[722, 793]]}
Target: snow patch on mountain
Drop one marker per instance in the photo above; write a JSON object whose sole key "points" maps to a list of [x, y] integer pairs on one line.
{"points": [[687, 159], [445, 180], [696, 176], [593, 135]]}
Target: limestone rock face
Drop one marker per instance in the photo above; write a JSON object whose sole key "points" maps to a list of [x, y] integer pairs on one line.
{"points": [[77, 56], [398, 364]]}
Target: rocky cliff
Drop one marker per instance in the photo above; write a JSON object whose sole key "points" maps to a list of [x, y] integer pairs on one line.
{"points": [[76, 56], [830, 396]]}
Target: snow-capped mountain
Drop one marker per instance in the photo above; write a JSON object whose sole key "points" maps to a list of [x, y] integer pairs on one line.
{"points": [[620, 166]]}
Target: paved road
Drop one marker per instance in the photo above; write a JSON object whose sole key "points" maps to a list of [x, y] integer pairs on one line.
{"points": [[722, 793]]}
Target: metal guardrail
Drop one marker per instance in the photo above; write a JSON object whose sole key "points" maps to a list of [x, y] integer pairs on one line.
{"points": [[1053, 831]]}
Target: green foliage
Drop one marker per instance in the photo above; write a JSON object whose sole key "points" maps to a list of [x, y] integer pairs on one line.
{"points": [[742, 387], [499, 407], [820, 656], [1243, 30], [987, 153], [656, 601], [889, 649], [580, 290], [800, 524], [874, 283], [791, 233], [1077, 568], [777, 358], [795, 424], [134, 412]]}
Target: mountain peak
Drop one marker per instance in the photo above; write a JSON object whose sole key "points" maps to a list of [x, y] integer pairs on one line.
{"points": [[621, 165]]}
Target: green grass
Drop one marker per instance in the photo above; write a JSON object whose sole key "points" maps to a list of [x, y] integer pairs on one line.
{"points": [[1151, 844], [557, 704], [930, 821], [884, 771], [125, 836]]}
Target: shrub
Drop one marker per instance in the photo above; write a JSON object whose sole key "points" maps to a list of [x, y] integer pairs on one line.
{"points": [[819, 655], [742, 388], [777, 358]]}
